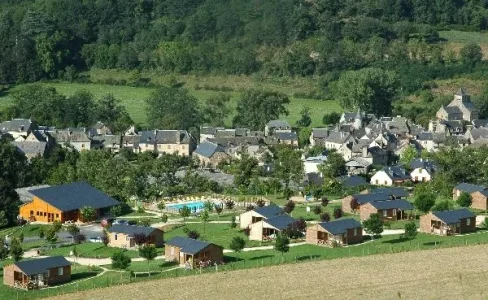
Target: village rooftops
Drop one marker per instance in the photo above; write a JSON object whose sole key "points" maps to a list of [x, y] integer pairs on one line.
{"points": [[278, 124], [207, 149], [423, 164], [365, 198], [131, 230], [41, 265], [187, 245], [396, 173], [396, 192], [401, 204], [453, 216], [469, 188], [269, 211], [351, 181], [16, 125], [340, 226], [281, 222], [73, 196], [287, 136]]}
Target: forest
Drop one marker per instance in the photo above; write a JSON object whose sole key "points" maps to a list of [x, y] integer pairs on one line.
{"points": [[48, 39]]}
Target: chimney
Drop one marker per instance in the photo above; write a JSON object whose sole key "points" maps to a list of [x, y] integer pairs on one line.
{"points": [[365, 151]]}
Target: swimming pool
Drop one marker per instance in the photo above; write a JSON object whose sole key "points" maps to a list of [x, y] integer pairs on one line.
{"points": [[193, 206]]}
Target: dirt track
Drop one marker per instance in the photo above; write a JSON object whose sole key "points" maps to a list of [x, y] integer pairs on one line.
{"points": [[456, 273]]}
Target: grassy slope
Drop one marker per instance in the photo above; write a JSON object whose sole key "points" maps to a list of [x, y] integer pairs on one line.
{"points": [[133, 99]]}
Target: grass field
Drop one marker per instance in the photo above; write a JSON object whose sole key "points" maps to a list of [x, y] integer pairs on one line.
{"points": [[455, 40], [133, 98], [95, 250], [414, 275]]}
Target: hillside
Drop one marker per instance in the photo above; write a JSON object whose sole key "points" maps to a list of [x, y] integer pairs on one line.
{"points": [[411, 275]]}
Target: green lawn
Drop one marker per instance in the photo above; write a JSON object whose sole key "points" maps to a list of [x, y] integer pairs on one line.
{"points": [[464, 37], [220, 234], [28, 230], [96, 250], [154, 266], [133, 99]]}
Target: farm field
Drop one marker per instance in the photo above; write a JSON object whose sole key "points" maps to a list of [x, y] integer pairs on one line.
{"points": [[457, 39], [133, 98], [411, 275]]}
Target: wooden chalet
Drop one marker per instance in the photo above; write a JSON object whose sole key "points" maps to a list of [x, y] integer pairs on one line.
{"points": [[193, 253], [339, 232], [449, 222]]}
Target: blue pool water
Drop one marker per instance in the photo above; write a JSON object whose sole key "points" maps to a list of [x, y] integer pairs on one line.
{"points": [[193, 206]]}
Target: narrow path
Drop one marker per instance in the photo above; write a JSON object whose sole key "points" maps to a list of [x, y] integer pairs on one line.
{"points": [[270, 247]]}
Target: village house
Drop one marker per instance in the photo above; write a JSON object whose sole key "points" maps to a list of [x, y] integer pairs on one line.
{"points": [[474, 134], [64, 202], [352, 203], [268, 228], [460, 108], [275, 126], [352, 181], [192, 253], [318, 136], [76, 138], [422, 170], [37, 273], [31, 149], [392, 192], [354, 119], [102, 129], [338, 232], [124, 236], [448, 222], [166, 141], [210, 154], [258, 214], [208, 133], [17, 127], [466, 188], [390, 210], [336, 139], [358, 165], [311, 164], [286, 138], [426, 141], [111, 142], [389, 176]]}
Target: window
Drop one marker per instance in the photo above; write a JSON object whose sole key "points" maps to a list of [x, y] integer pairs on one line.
{"points": [[45, 214], [385, 213], [115, 237], [57, 215], [37, 213], [31, 212], [82, 145], [60, 271], [355, 231], [377, 182], [48, 273], [468, 222], [386, 183]]}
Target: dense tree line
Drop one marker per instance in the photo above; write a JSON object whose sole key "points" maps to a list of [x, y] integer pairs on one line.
{"points": [[54, 38]]}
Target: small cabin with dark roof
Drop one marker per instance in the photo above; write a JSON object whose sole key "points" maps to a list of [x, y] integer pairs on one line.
{"points": [[351, 204], [338, 232], [390, 210], [125, 236], [37, 273], [64, 202], [258, 214], [193, 253], [448, 222], [268, 228]]}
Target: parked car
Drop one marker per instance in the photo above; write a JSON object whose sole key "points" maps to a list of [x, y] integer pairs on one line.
{"points": [[120, 222], [96, 239]]}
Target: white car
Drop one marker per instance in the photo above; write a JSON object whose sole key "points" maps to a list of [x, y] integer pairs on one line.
{"points": [[95, 239]]}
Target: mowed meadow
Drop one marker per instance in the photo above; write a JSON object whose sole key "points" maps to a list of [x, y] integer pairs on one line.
{"points": [[133, 98]]}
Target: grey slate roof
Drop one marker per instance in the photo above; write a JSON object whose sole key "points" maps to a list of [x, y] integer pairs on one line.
{"points": [[461, 92], [188, 245], [210, 130], [453, 216], [480, 122], [164, 137], [396, 173], [30, 148], [16, 125], [207, 149], [41, 265], [425, 136], [340, 226], [469, 188], [423, 164], [320, 133], [338, 137], [452, 110], [396, 192], [477, 133], [108, 140], [365, 198], [352, 181], [281, 222], [278, 124], [269, 211], [131, 230], [70, 136], [74, 196], [390, 204], [287, 136]]}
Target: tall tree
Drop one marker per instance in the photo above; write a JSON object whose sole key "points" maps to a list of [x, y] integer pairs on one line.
{"points": [[171, 108], [289, 166], [113, 114], [148, 252], [216, 109], [371, 90], [305, 119], [424, 201], [255, 108], [334, 166]]}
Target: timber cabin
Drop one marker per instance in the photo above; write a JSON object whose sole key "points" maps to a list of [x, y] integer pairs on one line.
{"points": [[259, 214], [339, 232], [123, 236], [267, 229], [37, 273], [449, 222], [64, 202], [192, 253], [391, 210]]}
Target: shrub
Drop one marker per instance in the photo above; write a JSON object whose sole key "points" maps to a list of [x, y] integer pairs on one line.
{"points": [[249, 207], [260, 203], [120, 260], [229, 204], [338, 213], [233, 223], [289, 206], [317, 210], [325, 217], [193, 234], [464, 199], [247, 231]]}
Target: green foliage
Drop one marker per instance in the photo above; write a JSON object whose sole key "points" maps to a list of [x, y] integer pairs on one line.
{"points": [[233, 223], [256, 108], [305, 119], [245, 169], [424, 201], [410, 231], [334, 166], [88, 213], [304, 136], [282, 243], [105, 238], [161, 206], [148, 252], [464, 199], [317, 210], [164, 218], [371, 90], [146, 222], [204, 216], [120, 260], [373, 225], [16, 250], [485, 223], [216, 109], [408, 155], [237, 244], [185, 212], [331, 118], [170, 108], [116, 211], [289, 166], [443, 205], [471, 54]]}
